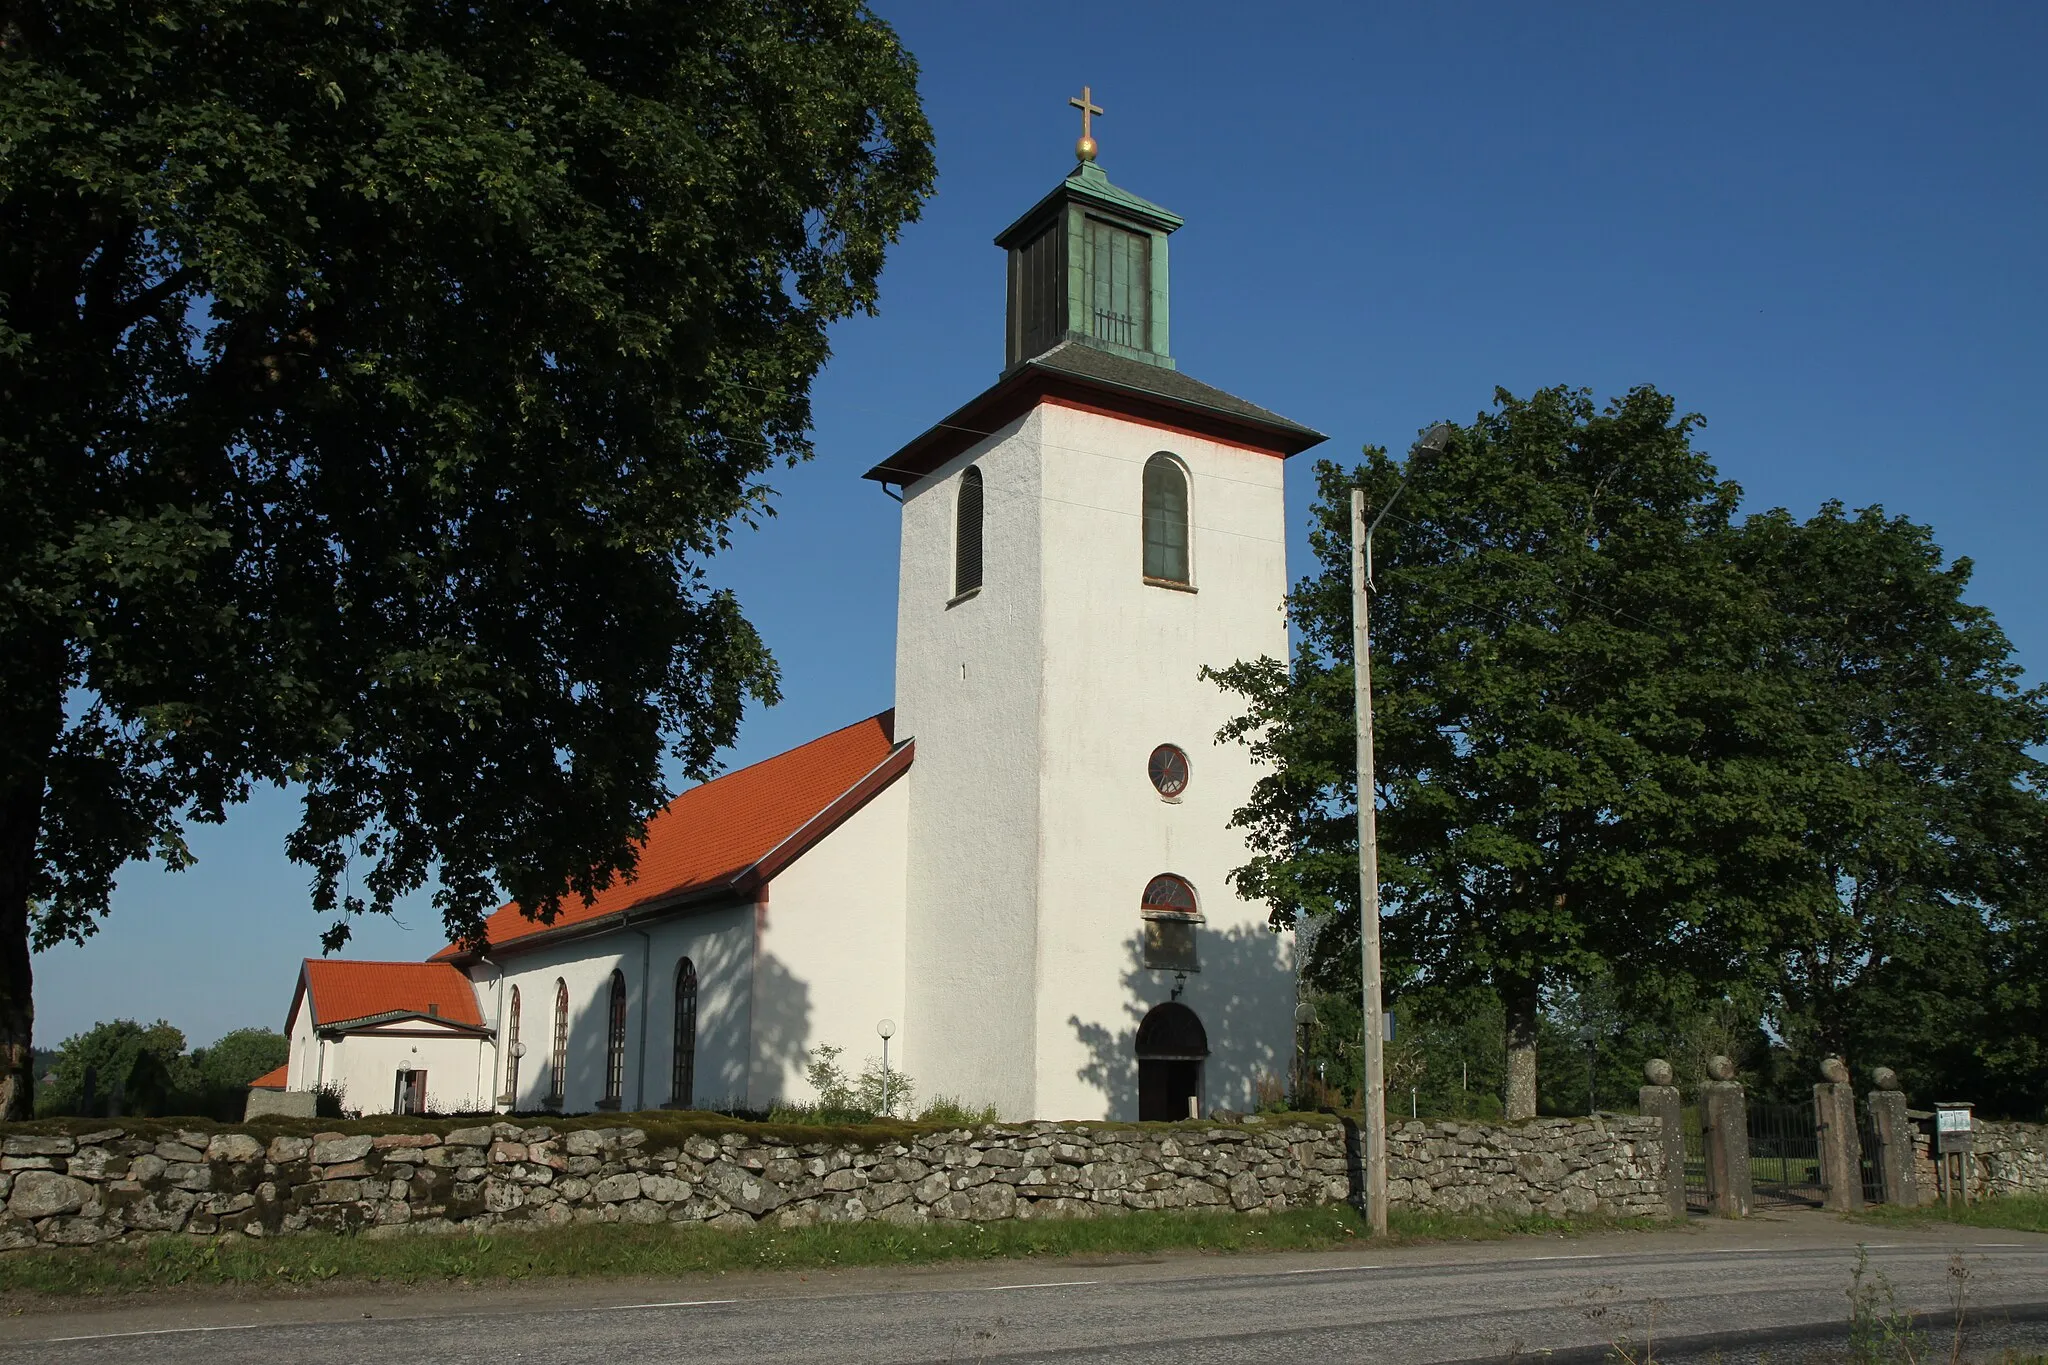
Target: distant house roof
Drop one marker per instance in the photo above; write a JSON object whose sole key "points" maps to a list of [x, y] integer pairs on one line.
{"points": [[1075, 374], [342, 993], [732, 834], [271, 1080]]}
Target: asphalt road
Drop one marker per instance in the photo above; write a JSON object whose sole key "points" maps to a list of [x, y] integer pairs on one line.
{"points": [[1417, 1306]]}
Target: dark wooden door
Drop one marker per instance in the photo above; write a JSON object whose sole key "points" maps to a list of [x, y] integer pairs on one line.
{"points": [[1165, 1086]]}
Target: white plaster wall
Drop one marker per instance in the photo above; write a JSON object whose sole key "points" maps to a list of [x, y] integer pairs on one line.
{"points": [[303, 1061], [719, 942], [1122, 674], [968, 690], [831, 950], [365, 1066]]}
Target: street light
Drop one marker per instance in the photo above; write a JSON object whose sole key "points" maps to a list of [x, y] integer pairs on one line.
{"points": [[1375, 1097], [886, 1028], [1590, 1036]]}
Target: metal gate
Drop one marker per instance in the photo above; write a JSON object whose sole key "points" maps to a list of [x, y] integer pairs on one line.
{"points": [[1784, 1154], [1867, 1161], [1695, 1158]]}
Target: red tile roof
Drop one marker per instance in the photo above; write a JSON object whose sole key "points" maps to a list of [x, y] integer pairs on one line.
{"points": [[736, 831], [271, 1080], [341, 990]]}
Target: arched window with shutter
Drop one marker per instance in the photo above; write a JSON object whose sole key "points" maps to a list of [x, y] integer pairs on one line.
{"points": [[615, 1046], [1166, 521], [512, 1052], [1170, 913], [558, 1063], [967, 534], [683, 1077]]}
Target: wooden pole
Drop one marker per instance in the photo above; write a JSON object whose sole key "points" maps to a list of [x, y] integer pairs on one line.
{"points": [[1368, 887]]}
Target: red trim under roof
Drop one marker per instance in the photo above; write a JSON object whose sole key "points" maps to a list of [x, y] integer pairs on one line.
{"points": [[728, 836]]}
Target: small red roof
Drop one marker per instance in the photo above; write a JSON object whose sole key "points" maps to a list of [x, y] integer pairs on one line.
{"points": [[341, 990], [737, 830], [271, 1080]]}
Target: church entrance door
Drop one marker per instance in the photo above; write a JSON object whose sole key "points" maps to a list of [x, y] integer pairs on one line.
{"points": [[1172, 1046]]}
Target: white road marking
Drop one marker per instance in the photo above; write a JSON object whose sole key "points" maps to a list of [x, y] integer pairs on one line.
{"points": [[1582, 1256], [158, 1332], [673, 1303], [2004, 1244], [1330, 1269], [1048, 1284]]}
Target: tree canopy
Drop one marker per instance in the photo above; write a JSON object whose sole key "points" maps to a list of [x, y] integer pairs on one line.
{"points": [[376, 380], [1626, 738]]}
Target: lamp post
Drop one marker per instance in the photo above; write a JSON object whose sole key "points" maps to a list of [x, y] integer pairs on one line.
{"points": [[1304, 1020], [887, 1029], [1590, 1036], [1375, 1097]]}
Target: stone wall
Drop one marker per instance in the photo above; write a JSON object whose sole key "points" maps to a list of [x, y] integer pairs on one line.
{"points": [[93, 1187], [1610, 1164], [2005, 1158]]}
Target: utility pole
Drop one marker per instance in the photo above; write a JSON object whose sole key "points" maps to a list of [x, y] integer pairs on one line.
{"points": [[1375, 1096]]}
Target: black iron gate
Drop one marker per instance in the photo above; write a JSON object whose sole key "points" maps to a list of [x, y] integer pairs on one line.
{"points": [[1867, 1161], [1695, 1158], [1784, 1154]]}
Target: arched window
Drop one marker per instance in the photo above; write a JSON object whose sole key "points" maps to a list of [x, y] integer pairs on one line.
{"points": [[1170, 915], [615, 1044], [683, 1069], [1166, 520], [967, 534], [558, 1064], [512, 1052]]}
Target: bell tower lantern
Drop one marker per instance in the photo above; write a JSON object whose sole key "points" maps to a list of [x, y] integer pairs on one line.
{"points": [[1088, 264]]}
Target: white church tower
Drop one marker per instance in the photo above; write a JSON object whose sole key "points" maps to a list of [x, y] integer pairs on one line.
{"points": [[1078, 542]]}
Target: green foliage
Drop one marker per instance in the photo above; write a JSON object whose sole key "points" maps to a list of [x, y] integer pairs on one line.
{"points": [[1880, 1332], [1568, 743], [376, 380], [144, 1070], [874, 1094], [240, 1057], [139, 1067], [1650, 769], [949, 1110]]}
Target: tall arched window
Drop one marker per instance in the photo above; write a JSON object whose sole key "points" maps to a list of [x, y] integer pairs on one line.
{"points": [[967, 534], [512, 1052], [558, 1064], [1166, 520], [683, 1069], [615, 1044]]}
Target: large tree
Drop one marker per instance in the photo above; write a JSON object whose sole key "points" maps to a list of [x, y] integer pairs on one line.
{"points": [[1573, 756], [1924, 812], [376, 378]]}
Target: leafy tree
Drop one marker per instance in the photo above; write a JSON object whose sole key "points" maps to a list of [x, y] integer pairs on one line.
{"points": [[240, 1057], [376, 379], [119, 1067], [1574, 760], [1924, 847]]}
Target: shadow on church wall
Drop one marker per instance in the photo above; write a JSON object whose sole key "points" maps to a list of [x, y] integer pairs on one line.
{"points": [[782, 1031], [1244, 996]]}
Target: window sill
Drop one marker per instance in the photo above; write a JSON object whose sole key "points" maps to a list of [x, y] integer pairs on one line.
{"points": [[610, 1106], [1180, 915], [967, 596], [1169, 584]]}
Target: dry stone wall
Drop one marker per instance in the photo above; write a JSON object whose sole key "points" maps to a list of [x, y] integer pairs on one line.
{"points": [[2005, 1158], [98, 1186]]}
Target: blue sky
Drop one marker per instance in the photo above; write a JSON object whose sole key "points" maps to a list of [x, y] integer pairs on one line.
{"points": [[1822, 226]]}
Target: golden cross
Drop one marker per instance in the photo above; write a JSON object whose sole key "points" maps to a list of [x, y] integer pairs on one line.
{"points": [[1085, 148]]}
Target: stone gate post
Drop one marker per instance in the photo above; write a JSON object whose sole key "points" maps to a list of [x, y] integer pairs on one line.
{"points": [[1894, 1140], [1659, 1100], [1724, 1121], [1841, 1147]]}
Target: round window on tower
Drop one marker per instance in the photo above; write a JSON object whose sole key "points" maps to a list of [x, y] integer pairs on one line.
{"points": [[1169, 770]]}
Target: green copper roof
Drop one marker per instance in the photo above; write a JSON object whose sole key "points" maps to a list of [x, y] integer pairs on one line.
{"points": [[1089, 184]]}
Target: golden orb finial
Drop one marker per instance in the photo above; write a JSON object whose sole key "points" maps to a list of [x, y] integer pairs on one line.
{"points": [[1085, 149]]}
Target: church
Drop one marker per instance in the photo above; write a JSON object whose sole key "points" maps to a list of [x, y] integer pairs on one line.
{"points": [[1019, 874]]}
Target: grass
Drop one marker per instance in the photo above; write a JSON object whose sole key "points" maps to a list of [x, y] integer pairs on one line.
{"points": [[609, 1250], [2018, 1213]]}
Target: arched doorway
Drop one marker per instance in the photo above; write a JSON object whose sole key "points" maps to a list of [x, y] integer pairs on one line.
{"points": [[1171, 1048]]}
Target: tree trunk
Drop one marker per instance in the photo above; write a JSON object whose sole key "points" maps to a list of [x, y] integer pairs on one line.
{"points": [[1522, 1001], [21, 810]]}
